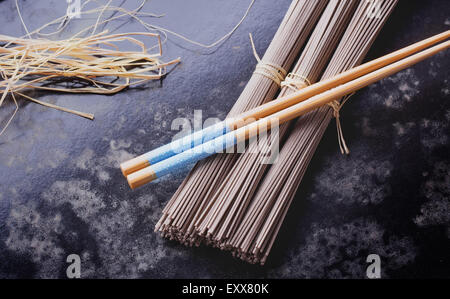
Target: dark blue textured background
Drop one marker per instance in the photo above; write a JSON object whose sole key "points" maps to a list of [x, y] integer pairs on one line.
{"points": [[61, 191]]}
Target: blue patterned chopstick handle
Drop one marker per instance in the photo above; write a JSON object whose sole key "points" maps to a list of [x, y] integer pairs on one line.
{"points": [[194, 154], [188, 142]]}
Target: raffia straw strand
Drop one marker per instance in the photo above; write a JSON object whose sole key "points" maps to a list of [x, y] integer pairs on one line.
{"points": [[39, 63]]}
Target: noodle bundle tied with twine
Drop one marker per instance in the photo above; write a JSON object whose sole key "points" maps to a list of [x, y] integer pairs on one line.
{"points": [[252, 199]]}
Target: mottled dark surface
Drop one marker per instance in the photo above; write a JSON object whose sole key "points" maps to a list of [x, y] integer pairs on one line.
{"points": [[61, 191]]}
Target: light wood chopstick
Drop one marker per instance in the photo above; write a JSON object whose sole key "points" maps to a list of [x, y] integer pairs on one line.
{"points": [[241, 134], [264, 110]]}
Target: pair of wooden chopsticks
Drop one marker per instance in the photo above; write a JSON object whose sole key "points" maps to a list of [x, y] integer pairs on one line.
{"points": [[208, 141]]}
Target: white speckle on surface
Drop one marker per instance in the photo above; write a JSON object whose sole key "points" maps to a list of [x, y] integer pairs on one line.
{"points": [[120, 123], [402, 132], [30, 232], [103, 175], [123, 231], [101, 166], [13, 191], [119, 144], [88, 161], [52, 159], [436, 211], [390, 102], [157, 116], [432, 69], [78, 194], [84, 161], [366, 127], [433, 134], [407, 89], [361, 179], [341, 252], [404, 87], [114, 157], [399, 128]]}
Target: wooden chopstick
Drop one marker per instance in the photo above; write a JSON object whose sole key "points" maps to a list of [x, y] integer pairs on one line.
{"points": [[241, 134], [264, 110]]}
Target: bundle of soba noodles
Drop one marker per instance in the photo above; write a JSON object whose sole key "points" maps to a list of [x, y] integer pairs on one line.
{"points": [[237, 203], [195, 191]]}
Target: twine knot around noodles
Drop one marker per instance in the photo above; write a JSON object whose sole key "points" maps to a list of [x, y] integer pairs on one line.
{"points": [[337, 106], [295, 81], [267, 69]]}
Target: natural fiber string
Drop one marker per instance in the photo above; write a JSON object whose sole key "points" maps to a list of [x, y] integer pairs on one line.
{"points": [[269, 70], [135, 14], [337, 106], [295, 81], [64, 20]]}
